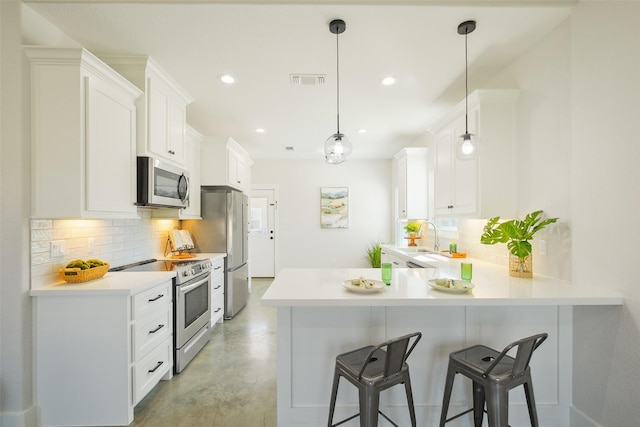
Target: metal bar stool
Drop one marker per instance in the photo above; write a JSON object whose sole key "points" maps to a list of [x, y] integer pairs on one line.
{"points": [[373, 369], [493, 374]]}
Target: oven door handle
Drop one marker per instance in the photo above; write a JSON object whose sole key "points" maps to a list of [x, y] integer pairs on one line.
{"points": [[184, 289]]}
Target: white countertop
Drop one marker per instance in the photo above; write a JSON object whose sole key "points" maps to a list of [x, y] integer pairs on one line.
{"points": [[300, 287], [119, 282], [112, 283], [212, 256]]}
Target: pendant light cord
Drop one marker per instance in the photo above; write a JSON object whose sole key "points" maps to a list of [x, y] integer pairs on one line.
{"points": [[466, 86], [338, 80]]}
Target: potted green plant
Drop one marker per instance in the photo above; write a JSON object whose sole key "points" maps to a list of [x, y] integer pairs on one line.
{"points": [[516, 234], [374, 253], [412, 227]]}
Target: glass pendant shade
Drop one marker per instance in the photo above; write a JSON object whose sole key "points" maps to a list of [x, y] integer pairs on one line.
{"points": [[467, 146], [336, 148]]}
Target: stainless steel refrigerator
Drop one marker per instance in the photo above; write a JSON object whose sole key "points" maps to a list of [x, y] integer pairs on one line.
{"points": [[224, 228]]}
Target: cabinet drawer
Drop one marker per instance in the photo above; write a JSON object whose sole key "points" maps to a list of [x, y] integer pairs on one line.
{"points": [[150, 331], [151, 300], [217, 307], [148, 372], [217, 288], [217, 268]]}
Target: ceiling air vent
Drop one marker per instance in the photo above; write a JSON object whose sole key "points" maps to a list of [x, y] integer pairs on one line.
{"points": [[307, 79], [289, 148]]}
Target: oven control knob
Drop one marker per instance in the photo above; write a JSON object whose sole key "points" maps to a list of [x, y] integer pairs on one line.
{"points": [[187, 273]]}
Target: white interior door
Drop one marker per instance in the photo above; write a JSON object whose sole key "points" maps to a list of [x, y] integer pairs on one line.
{"points": [[263, 231]]}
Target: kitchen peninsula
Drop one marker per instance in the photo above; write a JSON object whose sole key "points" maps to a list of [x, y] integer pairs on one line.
{"points": [[318, 318]]}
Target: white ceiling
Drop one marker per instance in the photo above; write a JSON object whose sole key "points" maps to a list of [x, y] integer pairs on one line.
{"points": [[261, 44]]}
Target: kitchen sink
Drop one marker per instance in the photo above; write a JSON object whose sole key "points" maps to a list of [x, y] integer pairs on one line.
{"points": [[419, 250]]}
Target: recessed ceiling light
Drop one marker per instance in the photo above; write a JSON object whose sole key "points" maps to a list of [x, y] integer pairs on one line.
{"points": [[259, 130], [362, 131], [226, 78], [388, 81]]}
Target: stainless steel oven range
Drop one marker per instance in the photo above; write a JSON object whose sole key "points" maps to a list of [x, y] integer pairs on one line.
{"points": [[191, 304]]}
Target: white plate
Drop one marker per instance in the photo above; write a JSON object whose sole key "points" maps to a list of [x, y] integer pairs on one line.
{"points": [[467, 287], [377, 286]]}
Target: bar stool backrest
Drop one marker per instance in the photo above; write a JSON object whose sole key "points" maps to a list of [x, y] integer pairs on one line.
{"points": [[525, 349], [396, 353]]}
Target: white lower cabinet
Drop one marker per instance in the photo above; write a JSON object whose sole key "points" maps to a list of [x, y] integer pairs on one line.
{"points": [[386, 257], [217, 291], [99, 354]]}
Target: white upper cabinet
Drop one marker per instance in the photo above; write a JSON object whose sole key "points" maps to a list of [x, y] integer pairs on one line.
{"points": [[483, 187], [83, 117], [456, 186], [161, 111], [225, 163], [412, 183]]}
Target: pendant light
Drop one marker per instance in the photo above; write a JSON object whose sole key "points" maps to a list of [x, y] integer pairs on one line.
{"points": [[467, 143], [337, 147]]}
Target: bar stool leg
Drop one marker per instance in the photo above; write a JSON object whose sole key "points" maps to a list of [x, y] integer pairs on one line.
{"points": [[369, 401], [497, 406], [531, 403], [478, 404], [334, 395], [448, 386], [407, 389]]}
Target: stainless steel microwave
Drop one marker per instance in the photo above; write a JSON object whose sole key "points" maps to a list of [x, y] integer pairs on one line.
{"points": [[161, 185]]}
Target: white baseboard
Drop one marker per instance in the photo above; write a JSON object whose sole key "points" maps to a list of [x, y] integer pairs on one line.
{"points": [[579, 419], [28, 418]]}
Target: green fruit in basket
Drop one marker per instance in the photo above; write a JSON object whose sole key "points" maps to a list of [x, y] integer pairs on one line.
{"points": [[94, 262], [75, 264], [85, 266]]}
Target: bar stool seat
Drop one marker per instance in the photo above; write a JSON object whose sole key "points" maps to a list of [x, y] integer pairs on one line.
{"points": [[373, 369], [493, 374]]}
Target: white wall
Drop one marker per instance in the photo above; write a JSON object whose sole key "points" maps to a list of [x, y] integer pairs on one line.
{"points": [[302, 242], [16, 391], [606, 201], [543, 151]]}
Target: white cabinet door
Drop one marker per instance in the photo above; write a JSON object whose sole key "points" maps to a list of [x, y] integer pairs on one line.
{"points": [[158, 118], [110, 144], [166, 122], [161, 112], [456, 186], [402, 187], [412, 183], [177, 130], [224, 163], [82, 113]]}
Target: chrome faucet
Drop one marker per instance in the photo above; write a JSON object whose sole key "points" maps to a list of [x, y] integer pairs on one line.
{"points": [[436, 246]]}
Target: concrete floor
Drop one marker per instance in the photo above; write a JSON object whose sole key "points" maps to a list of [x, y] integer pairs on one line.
{"points": [[231, 382]]}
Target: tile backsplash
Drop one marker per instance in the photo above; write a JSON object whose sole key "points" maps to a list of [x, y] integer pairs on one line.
{"points": [[117, 241]]}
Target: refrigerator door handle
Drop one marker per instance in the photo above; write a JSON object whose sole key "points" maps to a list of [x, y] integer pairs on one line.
{"points": [[232, 269]]}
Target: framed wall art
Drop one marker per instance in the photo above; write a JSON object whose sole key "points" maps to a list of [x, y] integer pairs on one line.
{"points": [[334, 207]]}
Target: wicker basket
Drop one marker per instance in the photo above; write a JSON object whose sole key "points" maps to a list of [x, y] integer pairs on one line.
{"points": [[78, 275]]}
